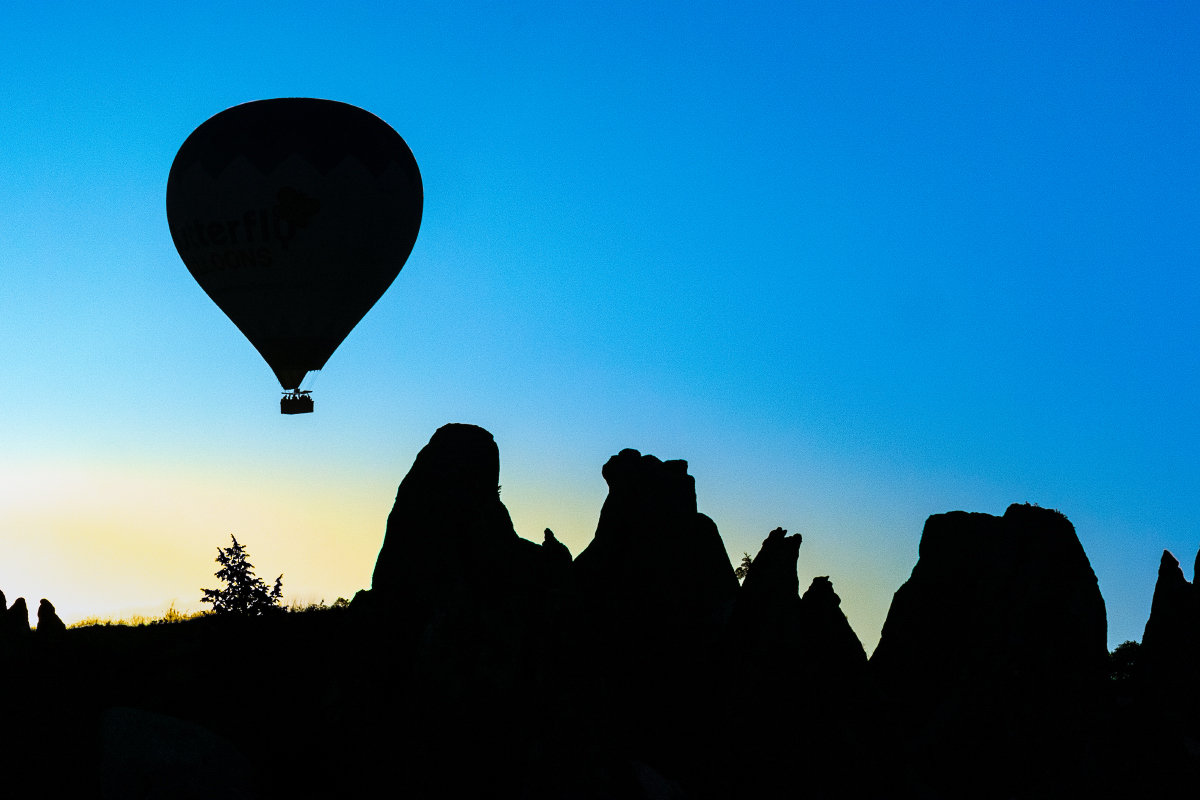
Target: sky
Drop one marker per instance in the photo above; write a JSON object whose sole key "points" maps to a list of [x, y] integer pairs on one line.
{"points": [[857, 263]]}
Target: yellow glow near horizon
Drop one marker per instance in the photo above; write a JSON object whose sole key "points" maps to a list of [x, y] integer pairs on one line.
{"points": [[114, 541]]}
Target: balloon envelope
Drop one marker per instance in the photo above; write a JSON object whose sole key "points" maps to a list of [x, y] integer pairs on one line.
{"points": [[294, 215]]}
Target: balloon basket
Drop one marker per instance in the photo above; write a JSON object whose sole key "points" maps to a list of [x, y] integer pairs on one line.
{"points": [[296, 403]]}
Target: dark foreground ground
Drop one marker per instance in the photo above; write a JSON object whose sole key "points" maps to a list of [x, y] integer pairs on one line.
{"points": [[317, 704]]}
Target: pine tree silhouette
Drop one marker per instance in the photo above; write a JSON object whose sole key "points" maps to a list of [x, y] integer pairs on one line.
{"points": [[244, 594]]}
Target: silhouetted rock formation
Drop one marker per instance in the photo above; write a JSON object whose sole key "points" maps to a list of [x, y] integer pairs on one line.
{"points": [[556, 552], [448, 529], [559, 587], [775, 625], [829, 633], [994, 652], [771, 580], [1153, 720], [48, 622], [765, 630], [655, 587], [465, 602], [794, 659], [655, 565], [1169, 661], [16, 620], [1167, 680]]}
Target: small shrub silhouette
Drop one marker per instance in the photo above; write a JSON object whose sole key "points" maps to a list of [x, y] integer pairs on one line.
{"points": [[743, 569], [244, 594]]}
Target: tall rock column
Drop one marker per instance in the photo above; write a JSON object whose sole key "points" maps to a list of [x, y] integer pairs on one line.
{"points": [[655, 587], [995, 653], [1169, 660], [1168, 678], [656, 567], [458, 608]]}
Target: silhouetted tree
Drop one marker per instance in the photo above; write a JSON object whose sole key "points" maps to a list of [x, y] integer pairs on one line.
{"points": [[244, 594], [1123, 661], [744, 568]]}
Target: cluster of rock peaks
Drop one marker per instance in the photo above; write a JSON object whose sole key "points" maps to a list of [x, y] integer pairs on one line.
{"points": [[14, 621], [641, 668], [624, 649]]}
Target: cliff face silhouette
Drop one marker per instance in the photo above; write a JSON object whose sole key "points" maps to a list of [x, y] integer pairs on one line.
{"points": [[482, 664]]}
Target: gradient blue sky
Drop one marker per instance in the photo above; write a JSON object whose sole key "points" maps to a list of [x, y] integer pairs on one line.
{"points": [[857, 263]]}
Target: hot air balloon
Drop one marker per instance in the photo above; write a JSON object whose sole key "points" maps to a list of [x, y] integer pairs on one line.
{"points": [[294, 215]]}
